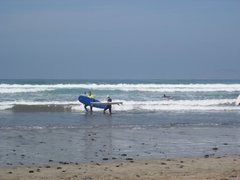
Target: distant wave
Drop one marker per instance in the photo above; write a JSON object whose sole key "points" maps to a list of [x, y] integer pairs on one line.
{"points": [[18, 88], [128, 106]]}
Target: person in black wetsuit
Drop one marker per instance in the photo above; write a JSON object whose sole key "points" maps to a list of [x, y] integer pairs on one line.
{"points": [[166, 97], [109, 106]]}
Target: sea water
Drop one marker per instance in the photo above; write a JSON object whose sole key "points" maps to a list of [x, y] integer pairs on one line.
{"points": [[137, 95], [41, 121]]}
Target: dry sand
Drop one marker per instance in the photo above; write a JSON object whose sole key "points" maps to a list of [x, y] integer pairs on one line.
{"points": [[217, 168]]}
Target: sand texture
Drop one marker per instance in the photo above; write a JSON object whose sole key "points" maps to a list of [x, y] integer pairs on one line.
{"points": [[217, 168]]}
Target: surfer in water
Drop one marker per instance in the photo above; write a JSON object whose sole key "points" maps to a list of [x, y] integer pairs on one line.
{"points": [[90, 95], [167, 97], [109, 106]]}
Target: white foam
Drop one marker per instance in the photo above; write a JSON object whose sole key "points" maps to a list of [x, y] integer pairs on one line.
{"points": [[181, 105], [237, 103], [142, 106], [18, 88], [5, 106]]}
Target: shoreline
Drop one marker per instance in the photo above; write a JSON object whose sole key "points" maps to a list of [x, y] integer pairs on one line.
{"points": [[213, 168], [107, 141]]}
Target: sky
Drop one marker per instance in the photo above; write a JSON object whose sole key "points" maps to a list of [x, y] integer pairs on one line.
{"points": [[120, 39]]}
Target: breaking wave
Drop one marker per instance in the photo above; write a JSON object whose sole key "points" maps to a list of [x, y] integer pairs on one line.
{"points": [[128, 106], [136, 97], [18, 88]]}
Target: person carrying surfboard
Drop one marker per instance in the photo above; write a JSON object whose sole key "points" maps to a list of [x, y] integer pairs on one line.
{"points": [[109, 106], [90, 95]]}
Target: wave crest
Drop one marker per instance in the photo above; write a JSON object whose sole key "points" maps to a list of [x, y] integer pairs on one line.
{"points": [[128, 106], [18, 88]]}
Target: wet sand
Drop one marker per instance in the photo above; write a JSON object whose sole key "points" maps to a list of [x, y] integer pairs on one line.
{"points": [[211, 168]]}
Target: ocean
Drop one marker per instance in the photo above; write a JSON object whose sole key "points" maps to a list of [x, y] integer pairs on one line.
{"points": [[137, 95], [41, 121]]}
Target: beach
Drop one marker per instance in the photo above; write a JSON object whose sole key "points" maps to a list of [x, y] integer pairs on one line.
{"points": [[115, 147], [46, 133], [212, 168], [122, 90]]}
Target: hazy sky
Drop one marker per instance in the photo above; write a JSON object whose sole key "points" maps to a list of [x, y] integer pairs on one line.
{"points": [[156, 39]]}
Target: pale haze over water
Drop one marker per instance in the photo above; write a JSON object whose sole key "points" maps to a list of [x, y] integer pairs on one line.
{"points": [[120, 39]]}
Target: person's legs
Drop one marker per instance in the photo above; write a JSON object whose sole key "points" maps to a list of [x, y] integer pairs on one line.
{"points": [[110, 110], [105, 109], [85, 107]]}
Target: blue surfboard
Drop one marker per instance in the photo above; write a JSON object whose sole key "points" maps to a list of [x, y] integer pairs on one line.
{"points": [[87, 101]]}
